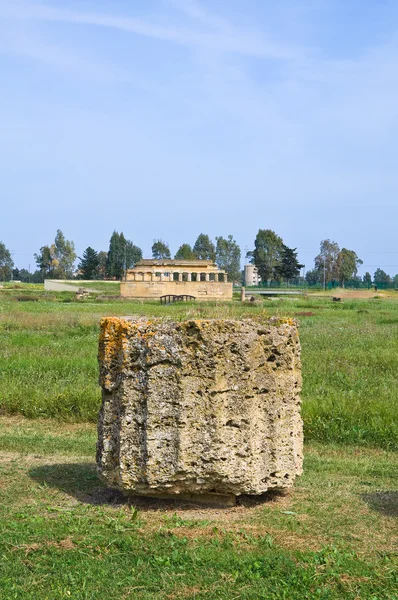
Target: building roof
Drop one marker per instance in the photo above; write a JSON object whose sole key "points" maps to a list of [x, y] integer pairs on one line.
{"points": [[153, 262]]}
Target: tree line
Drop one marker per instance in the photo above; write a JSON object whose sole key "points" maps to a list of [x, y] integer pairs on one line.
{"points": [[275, 261], [57, 260], [340, 266]]}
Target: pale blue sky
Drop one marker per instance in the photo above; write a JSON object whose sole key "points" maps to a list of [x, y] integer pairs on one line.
{"points": [[168, 118]]}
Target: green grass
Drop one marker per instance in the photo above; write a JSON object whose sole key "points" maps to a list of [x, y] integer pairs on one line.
{"points": [[349, 350], [64, 536], [111, 287]]}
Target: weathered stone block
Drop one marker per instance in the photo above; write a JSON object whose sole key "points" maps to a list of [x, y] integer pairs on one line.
{"points": [[199, 407]]}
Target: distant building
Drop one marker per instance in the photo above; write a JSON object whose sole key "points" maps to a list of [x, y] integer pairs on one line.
{"points": [[251, 275], [152, 278]]}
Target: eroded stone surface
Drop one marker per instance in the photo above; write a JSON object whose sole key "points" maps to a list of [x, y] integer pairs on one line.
{"points": [[199, 406]]}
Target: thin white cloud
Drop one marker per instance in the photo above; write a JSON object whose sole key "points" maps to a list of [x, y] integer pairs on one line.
{"points": [[26, 45], [230, 40], [195, 10]]}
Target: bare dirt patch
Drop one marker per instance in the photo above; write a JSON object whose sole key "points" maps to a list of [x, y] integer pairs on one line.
{"points": [[43, 425], [66, 544]]}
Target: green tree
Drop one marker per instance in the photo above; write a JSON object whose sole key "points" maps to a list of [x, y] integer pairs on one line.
{"points": [[115, 259], [6, 263], [133, 254], [65, 255], [347, 265], [204, 248], [289, 267], [228, 258], [57, 260], [185, 252], [160, 250], [47, 262], [395, 280], [122, 254], [102, 259], [37, 277], [367, 278], [326, 262], [313, 277], [381, 277], [24, 275], [267, 254], [89, 264]]}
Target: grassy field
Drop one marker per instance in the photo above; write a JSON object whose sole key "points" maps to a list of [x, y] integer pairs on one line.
{"points": [[63, 535], [349, 351]]}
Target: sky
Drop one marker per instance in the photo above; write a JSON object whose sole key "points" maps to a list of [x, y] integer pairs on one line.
{"points": [[170, 118]]}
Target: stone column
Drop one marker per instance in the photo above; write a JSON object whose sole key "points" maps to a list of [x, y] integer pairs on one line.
{"points": [[179, 276], [189, 276], [225, 277], [207, 275], [161, 276], [171, 278], [256, 426], [242, 294]]}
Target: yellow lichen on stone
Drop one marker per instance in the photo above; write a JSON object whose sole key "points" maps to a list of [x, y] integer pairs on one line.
{"points": [[200, 406], [114, 344]]}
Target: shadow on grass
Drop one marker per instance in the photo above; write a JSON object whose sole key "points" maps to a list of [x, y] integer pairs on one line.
{"points": [[385, 503], [81, 481]]}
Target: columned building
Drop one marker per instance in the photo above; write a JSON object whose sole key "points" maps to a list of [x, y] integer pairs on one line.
{"points": [[151, 278]]}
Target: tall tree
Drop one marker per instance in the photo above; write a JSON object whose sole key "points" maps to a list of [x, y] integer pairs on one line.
{"points": [[57, 260], [102, 258], [160, 249], [347, 265], [267, 254], [228, 257], [89, 264], [381, 276], [46, 261], [289, 267], [185, 252], [367, 278], [326, 262], [204, 248], [65, 254], [6, 263], [115, 258], [122, 254], [133, 254]]}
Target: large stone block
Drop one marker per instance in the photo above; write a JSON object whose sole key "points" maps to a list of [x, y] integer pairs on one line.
{"points": [[199, 407]]}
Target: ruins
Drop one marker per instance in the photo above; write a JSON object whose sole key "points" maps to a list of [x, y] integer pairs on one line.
{"points": [[152, 278], [205, 410]]}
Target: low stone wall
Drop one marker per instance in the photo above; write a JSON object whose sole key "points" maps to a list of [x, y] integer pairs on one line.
{"points": [[199, 407], [61, 285], [204, 290]]}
